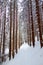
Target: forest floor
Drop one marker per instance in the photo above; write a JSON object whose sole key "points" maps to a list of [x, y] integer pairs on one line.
{"points": [[27, 55]]}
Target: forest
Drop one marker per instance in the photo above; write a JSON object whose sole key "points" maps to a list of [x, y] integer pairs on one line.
{"points": [[20, 21]]}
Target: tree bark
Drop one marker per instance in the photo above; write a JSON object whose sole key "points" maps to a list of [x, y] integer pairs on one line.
{"points": [[39, 21], [10, 30], [29, 24], [4, 22], [13, 27], [33, 39], [16, 28]]}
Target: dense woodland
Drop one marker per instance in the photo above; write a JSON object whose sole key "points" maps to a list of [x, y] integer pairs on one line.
{"points": [[20, 21]]}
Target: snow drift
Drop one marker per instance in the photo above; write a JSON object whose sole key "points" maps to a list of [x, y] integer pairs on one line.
{"points": [[27, 56]]}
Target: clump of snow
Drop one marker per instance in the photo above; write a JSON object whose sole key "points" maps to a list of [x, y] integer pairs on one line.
{"points": [[28, 56], [6, 50], [24, 46]]}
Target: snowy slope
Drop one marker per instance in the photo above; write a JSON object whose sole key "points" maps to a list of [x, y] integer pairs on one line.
{"points": [[27, 56]]}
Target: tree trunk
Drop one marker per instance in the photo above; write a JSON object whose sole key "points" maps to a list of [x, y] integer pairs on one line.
{"points": [[0, 32], [29, 25], [3, 52], [13, 27], [16, 28], [39, 22], [33, 39], [10, 30]]}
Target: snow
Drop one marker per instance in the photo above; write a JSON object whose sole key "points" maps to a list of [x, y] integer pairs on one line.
{"points": [[20, 0], [28, 55], [24, 46], [6, 50]]}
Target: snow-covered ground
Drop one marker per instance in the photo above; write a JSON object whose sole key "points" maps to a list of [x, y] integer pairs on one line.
{"points": [[27, 56]]}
